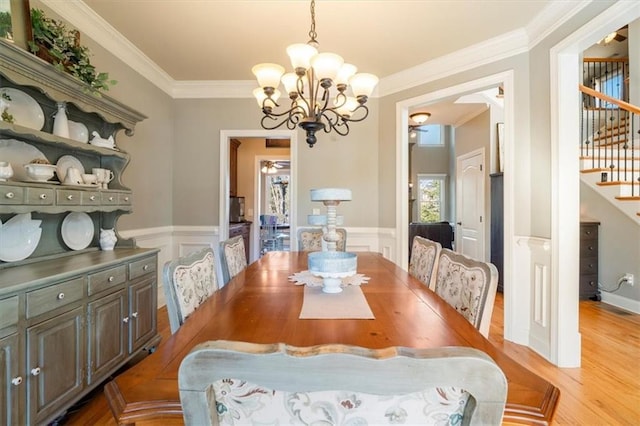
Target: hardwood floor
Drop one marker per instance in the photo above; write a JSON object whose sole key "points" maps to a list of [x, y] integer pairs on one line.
{"points": [[604, 391]]}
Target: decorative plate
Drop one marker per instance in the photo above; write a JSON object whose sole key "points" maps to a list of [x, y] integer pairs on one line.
{"points": [[19, 237], [25, 110], [18, 154], [65, 162], [77, 230], [78, 132]]}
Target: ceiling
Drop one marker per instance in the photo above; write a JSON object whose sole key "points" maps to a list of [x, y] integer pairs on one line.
{"points": [[204, 40]]}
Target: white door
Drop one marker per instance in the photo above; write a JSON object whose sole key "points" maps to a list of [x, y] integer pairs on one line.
{"points": [[470, 204]]}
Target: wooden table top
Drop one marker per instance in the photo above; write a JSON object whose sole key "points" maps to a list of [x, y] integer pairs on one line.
{"points": [[261, 305]]}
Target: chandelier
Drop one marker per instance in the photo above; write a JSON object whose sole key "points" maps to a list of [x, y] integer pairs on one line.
{"points": [[317, 89]]}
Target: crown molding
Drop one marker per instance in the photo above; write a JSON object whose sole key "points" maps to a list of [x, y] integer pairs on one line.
{"points": [[81, 16]]}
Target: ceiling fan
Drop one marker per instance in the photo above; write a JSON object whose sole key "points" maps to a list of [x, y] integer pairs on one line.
{"points": [[419, 118], [271, 167], [616, 35]]}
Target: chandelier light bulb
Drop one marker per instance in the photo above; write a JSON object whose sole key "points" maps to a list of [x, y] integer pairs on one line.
{"points": [[300, 55], [362, 84], [349, 105], [345, 73], [326, 65], [268, 75], [290, 83]]}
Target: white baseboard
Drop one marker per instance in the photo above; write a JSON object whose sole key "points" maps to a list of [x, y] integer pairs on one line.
{"points": [[621, 302]]}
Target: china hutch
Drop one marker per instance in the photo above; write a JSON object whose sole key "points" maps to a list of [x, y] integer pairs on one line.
{"points": [[70, 317]]}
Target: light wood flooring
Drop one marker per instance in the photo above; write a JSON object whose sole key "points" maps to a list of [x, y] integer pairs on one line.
{"points": [[605, 390]]}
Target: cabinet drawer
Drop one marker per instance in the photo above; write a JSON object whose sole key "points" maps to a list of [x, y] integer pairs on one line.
{"points": [[9, 309], [50, 298], [588, 249], [142, 267], [106, 279], [91, 198], [124, 199], [39, 196], [11, 195], [588, 231], [68, 197], [589, 266], [109, 199], [588, 284]]}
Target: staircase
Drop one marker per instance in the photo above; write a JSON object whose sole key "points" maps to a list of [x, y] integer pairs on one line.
{"points": [[610, 150]]}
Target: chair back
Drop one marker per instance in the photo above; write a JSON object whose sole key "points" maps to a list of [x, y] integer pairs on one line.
{"points": [[188, 281], [424, 260], [310, 239], [469, 286], [227, 383], [233, 258], [270, 238]]}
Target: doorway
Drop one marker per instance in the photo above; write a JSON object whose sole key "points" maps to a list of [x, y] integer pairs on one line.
{"points": [[223, 211]]}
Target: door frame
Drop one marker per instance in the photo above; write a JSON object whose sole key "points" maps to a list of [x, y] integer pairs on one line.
{"points": [[512, 320], [225, 140], [483, 235]]}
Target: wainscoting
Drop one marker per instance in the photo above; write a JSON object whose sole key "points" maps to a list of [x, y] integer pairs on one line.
{"points": [[176, 241]]}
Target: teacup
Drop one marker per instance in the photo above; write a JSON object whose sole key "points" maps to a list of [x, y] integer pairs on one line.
{"points": [[104, 176], [6, 171], [89, 179], [73, 176]]}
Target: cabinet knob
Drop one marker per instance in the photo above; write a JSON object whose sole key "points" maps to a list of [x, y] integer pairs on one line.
{"points": [[110, 198], [126, 199], [16, 381], [588, 232], [125, 319], [92, 198], [60, 296], [35, 371], [9, 195], [145, 267], [70, 197], [43, 196], [111, 278], [134, 314]]}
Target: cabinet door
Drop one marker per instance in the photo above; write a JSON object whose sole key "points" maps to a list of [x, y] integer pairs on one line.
{"points": [[10, 380], [142, 305], [107, 334], [55, 364]]}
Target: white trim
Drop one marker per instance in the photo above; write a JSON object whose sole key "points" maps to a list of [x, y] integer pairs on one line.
{"points": [[512, 298], [565, 202], [621, 302], [225, 137], [85, 19]]}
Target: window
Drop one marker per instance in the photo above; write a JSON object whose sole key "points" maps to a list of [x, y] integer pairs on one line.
{"points": [[431, 197], [430, 135], [610, 84], [277, 196]]}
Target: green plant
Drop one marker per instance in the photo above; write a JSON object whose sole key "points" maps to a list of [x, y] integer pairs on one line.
{"points": [[4, 107], [5, 25], [60, 46]]}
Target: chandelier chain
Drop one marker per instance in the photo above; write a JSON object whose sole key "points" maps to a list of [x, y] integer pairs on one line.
{"points": [[312, 31]]}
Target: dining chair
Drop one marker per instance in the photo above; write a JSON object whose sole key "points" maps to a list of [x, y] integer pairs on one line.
{"points": [[469, 285], [270, 238], [188, 281], [226, 383], [424, 260], [310, 239], [233, 258]]}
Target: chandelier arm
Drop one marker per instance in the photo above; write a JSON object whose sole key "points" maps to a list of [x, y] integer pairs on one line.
{"points": [[337, 124], [355, 111], [266, 125]]}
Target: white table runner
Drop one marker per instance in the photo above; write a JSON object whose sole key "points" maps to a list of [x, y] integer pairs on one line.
{"points": [[349, 304]]}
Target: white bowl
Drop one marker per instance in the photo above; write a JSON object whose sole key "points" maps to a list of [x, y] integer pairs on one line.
{"points": [[40, 172]]}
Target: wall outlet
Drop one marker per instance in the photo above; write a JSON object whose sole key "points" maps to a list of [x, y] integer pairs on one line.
{"points": [[628, 278]]}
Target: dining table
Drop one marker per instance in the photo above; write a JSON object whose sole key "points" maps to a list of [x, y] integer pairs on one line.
{"points": [[263, 305]]}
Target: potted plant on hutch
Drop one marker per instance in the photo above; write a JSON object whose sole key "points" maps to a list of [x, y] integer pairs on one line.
{"points": [[60, 46]]}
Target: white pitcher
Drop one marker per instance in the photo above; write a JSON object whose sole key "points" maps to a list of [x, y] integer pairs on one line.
{"points": [[60, 122]]}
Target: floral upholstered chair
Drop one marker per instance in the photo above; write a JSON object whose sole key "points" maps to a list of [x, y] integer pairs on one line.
{"points": [[310, 239], [424, 260], [188, 281], [469, 286], [233, 258], [234, 383]]}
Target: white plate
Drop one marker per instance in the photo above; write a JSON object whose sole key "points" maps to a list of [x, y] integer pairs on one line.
{"points": [[18, 154], [77, 230], [64, 163], [78, 132], [25, 110], [19, 237]]}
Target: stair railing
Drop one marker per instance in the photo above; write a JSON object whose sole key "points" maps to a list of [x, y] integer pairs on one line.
{"points": [[608, 137]]}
